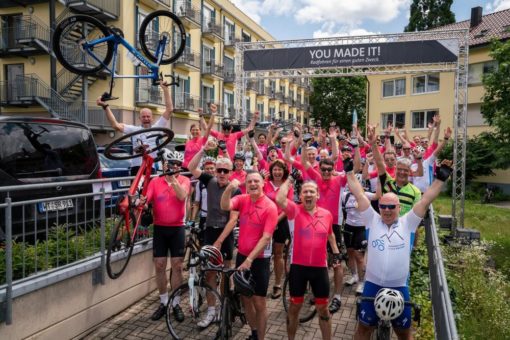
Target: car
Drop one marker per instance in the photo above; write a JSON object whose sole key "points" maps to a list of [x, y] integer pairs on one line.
{"points": [[46, 150], [114, 168]]}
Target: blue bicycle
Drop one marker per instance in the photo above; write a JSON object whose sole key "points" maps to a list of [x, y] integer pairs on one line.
{"points": [[85, 46]]}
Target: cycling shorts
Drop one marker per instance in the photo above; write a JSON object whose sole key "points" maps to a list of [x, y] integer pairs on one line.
{"points": [[281, 233], [337, 230], [367, 313], [227, 247], [166, 239], [259, 272], [299, 276], [354, 236]]}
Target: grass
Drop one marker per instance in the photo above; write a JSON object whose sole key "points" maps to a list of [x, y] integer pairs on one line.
{"points": [[493, 224]]}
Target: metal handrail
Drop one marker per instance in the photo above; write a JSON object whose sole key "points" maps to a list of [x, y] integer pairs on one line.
{"points": [[110, 6], [28, 27]]}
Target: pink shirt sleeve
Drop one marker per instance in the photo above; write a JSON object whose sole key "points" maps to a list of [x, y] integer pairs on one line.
{"points": [[313, 174], [430, 150], [291, 210], [236, 203], [271, 217]]}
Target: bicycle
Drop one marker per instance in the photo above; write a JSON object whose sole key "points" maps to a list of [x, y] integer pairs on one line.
{"points": [[384, 330], [124, 233], [85, 46], [488, 195]]}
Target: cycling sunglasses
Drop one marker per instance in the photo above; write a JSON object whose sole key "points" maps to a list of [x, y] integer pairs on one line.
{"points": [[387, 206], [327, 169], [222, 171]]}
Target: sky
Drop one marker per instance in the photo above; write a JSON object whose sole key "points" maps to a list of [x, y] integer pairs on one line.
{"points": [[303, 19]]}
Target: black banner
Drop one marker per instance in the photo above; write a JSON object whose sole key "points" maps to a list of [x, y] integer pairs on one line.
{"points": [[394, 53]]}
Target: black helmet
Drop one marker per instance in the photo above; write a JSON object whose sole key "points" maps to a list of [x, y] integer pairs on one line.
{"points": [[243, 283], [239, 155], [226, 125]]}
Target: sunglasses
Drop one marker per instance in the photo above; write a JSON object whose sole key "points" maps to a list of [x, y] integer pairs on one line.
{"points": [[387, 206], [172, 163], [222, 171], [327, 169]]}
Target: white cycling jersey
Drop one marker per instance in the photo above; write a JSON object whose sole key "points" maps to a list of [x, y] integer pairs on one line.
{"points": [[142, 137], [389, 249], [350, 205], [426, 180]]}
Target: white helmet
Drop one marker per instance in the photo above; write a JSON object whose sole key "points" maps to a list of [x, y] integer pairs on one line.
{"points": [[173, 156], [388, 304]]}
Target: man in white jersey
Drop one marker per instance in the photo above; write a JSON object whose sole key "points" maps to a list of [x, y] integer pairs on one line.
{"points": [[390, 240]]}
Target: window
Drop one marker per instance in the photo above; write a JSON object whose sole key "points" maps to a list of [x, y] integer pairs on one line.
{"points": [[208, 54], [397, 119], [420, 119], [394, 87], [272, 113], [260, 108], [228, 100], [229, 32], [246, 37], [208, 17], [207, 95], [228, 64], [426, 83], [272, 85], [478, 70]]}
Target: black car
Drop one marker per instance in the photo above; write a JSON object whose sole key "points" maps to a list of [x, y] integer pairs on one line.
{"points": [[43, 150]]}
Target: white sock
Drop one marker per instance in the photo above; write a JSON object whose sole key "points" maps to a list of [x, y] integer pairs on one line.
{"points": [[337, 296], [211, 310], [176, 301], [163, 298]]}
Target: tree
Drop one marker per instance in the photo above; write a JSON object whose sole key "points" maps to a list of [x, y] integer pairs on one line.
{"points": [[334, 99], [496, 101], [428, 14]]}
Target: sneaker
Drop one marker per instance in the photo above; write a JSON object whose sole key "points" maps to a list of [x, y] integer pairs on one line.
{"points": [[159, 313], [352, 280], [335, 305], [178, 314], [205, 322], [360, 287]]}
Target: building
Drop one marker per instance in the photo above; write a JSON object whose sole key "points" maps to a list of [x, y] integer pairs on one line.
{"points": [[411, 100], [34, 83]]}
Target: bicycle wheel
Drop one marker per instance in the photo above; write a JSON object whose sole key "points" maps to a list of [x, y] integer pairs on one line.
{"points": [[194, 309], [120, 247], [225, 322], [155, 137], [308, 310], [383, 332], [69, 37], [159, 25]]}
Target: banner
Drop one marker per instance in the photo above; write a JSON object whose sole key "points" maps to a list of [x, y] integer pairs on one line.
{"points": [[393, 53]]}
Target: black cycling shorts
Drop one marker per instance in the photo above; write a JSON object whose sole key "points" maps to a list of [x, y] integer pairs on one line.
{"points": [[300, 275], [337, 230], [354, 236], [282, 232], [168, 238], [227, 247], [259, 271]]}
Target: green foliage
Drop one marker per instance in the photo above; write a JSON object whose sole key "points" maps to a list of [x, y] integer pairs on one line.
{"points": [[428, 14], [496, 101], [334, 99], [479, 293]]}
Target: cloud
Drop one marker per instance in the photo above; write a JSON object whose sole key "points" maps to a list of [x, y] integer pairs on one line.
{"points": [[497, 5], [255, 9], [331, 30], [250, 8]]}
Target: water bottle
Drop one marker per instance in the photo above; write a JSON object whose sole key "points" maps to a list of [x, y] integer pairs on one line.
{"points": [[133, 59]]}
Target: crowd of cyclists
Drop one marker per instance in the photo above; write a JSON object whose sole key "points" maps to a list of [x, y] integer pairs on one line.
{"points": [[311, 190]]}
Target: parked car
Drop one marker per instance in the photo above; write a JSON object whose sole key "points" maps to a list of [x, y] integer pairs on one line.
{"points": [[42, 150], [115, 168]]}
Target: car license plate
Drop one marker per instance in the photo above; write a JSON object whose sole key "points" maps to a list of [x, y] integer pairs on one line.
{"points": [[56, 205], [125, 183]]}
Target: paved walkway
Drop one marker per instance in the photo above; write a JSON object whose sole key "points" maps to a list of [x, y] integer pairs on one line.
{"points": [[135, 323]]}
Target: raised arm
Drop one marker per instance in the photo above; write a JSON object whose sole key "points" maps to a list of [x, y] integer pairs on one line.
{"points": [[210, 124], [281, 196], [109, 115], [447, 135], [225, 202], [442, 174], [355, 187], [169, 105], [195, 161], [334, 143], [372, 140], [253, 121]]}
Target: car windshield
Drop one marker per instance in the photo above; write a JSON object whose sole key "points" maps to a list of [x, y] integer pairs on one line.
{"points": [[40, 149], [107, 163]]}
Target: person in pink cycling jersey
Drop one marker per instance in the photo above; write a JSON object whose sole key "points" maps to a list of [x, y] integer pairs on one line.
{"points": [[239, 173], [257, 221], [230, 137], [196, 142]]}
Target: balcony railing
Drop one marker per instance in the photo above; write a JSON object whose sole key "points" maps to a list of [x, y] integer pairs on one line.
{"points": [[212, 29], [189, 58], [219, 105], [27, 36], [229, 75], [279, 96], [252, 86], [185, 102], [187, 12], [103, 9], [270, 92], [230, 41], [146, 94], [211, 68]]}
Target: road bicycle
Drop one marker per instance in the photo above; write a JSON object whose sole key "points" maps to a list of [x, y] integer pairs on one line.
{"points": [[384, 330], [124, 233], [85, 46]]}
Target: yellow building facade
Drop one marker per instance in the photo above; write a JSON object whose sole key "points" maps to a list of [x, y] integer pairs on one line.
{"points": [[34, 84]]}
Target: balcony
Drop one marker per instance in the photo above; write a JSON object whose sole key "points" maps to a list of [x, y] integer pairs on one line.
{"points": [[230, 42], [210, 69], [186, 103], [279, 96], [167, 4], [229, 75], [100, 9], [148, 95], [219, 105], [189, 59], [26, 37], [17, 3], [212, 31], [188, 13], [270, 93], [252, 86]]}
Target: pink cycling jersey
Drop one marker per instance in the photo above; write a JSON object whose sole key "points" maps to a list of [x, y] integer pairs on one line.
{"points": [[191, 148], [271, 190], [168, 209], [230, 140], [241, 177], [309, 234], [330, 193], [255, 218]]}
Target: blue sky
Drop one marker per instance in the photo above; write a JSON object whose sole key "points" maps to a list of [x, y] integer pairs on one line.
{"points": [[302, 19]]}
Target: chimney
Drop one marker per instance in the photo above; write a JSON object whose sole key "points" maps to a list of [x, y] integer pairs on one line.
{"points": [[476, 16]]}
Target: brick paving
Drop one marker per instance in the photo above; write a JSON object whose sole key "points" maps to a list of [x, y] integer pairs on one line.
{"points": [[135, 323]]}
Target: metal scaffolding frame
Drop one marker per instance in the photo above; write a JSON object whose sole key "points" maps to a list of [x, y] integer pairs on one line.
{"points": [[460, 68]]}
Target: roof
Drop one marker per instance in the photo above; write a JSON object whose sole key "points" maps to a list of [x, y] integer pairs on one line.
{"points": [[493, 25]]}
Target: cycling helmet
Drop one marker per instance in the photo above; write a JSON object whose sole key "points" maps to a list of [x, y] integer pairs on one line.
{"points": [[243, 283], [173, 156], [226, 125], [214, 258], [239, 155], [208, 160], [388, 304]]}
